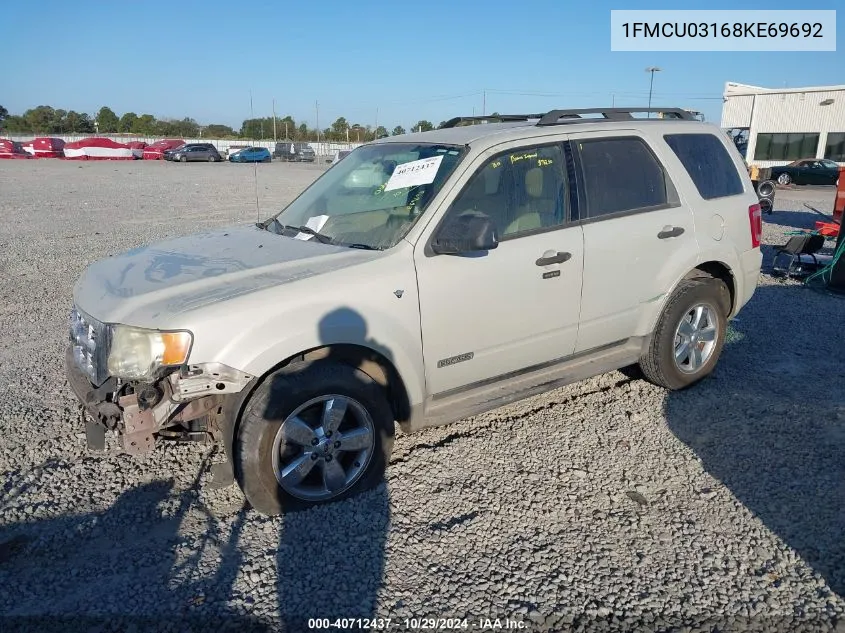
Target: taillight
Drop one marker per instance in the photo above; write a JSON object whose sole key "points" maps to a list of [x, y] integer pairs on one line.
{"points": [[755, 218]]}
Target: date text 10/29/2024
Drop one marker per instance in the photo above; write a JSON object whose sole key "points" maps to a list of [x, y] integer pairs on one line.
{"points": [[417, 624]]}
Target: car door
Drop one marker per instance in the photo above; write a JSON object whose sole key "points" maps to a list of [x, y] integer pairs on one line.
{"points": [[488, 314], [636, 233], [824, 175], [831, 170]]}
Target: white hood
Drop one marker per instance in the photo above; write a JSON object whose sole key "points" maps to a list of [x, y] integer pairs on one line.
{"points": [[152, 285]]}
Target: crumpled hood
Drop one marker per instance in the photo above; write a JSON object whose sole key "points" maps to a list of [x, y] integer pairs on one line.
{"points": [[148, 286]]}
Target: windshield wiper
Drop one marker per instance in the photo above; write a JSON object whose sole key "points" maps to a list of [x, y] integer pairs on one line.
{"points": [[365, 247], [323, 239]]}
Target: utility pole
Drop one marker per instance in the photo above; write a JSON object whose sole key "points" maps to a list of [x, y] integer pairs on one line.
{"points": [[484, 105], [317, 107], [652, 70], [375, 129], [274, 120], [613, 100]]}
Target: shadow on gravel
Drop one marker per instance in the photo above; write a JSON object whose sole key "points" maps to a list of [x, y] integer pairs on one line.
{"points": [[121, 569], [331, 557], [795, 219], [770, 423]]}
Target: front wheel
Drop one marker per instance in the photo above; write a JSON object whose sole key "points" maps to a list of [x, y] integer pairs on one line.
{"points": [[312, 433], [184, 159], [690, 334], [784, 179]]}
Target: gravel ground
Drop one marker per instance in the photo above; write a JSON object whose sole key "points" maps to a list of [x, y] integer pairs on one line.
{"points": [[606, 505]]}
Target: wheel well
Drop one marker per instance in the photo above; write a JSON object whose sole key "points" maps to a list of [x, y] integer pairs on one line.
{"points": [[375, 365], [716, 270]]}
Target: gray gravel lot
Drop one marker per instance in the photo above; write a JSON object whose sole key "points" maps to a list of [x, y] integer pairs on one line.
{"points": [[609, 504]]}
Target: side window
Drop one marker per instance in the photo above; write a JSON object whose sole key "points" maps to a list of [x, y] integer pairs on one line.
{"points": [[708, 164], [620, 174], [521, 191]]}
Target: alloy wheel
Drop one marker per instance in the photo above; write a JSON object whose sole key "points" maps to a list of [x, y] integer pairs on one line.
{"points": [[323, 447]]}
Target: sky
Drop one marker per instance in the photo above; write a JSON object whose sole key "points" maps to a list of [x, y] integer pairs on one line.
{"points": [[371, 61]]}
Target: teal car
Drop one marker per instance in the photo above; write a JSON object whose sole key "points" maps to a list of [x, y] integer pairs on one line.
{"points": [[251, 155]]}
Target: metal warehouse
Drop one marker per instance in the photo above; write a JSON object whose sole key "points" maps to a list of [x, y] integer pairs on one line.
{"points": [[774, 126]]}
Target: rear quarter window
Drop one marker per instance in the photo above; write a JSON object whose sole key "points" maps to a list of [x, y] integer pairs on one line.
{"points": [[621, 175], [708, 163]]}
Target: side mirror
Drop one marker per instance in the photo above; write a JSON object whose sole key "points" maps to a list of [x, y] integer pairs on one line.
{"points": [[466, 233]]}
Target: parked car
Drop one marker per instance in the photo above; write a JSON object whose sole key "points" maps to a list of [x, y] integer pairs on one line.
{"points": [[251, 155], [195, 152], [293, 151], [808, 171], [234, 148], [156, 151], [303, 340]]}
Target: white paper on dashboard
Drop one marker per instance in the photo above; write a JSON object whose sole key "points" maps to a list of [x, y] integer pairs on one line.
{"points": [[315, 223], [417, 172]]}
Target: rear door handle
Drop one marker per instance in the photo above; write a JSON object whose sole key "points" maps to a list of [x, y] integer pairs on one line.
{"points": [[557, 258], [670, 231]]}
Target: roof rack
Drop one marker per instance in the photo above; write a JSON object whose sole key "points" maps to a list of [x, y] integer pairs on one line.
{"points": [[557, 117], [498, 118], [560, 117]]}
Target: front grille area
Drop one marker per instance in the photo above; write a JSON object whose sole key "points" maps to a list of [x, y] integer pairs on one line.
{"points": [[89, 338]]}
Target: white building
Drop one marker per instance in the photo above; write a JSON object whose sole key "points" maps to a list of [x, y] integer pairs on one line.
{"points": [[782, 125]]}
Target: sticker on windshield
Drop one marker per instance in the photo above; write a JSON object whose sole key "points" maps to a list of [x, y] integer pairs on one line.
{"points": [[315, 224], [417, 172]]}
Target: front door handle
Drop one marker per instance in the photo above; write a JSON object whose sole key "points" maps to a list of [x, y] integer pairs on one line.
{"points": [[557, 258], [670, 231]]}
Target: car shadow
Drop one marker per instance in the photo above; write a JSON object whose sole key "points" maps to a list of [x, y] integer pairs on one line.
{"points": [[103, 570], [331, 557], [769, 424], [802, 220]]}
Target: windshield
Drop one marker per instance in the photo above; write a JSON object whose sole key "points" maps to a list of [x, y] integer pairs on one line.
{"points": [[371, 198]]}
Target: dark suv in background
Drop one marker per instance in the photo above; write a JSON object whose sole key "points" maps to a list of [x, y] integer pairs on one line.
{"points": [[297, 152], [190, 152]]}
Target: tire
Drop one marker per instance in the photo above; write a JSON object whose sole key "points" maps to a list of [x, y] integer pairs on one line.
{"points": [[212, 159], [303, 389], [659, 365], [766, 189], [784, 179], [183, 158]]}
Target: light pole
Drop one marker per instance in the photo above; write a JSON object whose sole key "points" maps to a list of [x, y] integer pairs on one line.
{"points": [[652, 70]]}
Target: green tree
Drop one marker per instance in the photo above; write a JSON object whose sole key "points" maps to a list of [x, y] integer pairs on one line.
{"points": [[107, 121], [39, 120], [381, 132], [4, 114], [127, 122], [337, 132], [423, 126], [304, 133], [217, 130], [398, 130], [15, 124], [58, 123], [76, 122], [144, 124]]}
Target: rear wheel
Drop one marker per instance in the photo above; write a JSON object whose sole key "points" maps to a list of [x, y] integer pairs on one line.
{"points": [[312, 433], [212, 159], [784, 179], [690, 334]]}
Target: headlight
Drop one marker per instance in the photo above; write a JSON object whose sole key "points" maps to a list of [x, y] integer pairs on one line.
{"points": [[137, 353]]}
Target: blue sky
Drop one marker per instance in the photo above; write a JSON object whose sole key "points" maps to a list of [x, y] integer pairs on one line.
{"points": [[368, 60]]}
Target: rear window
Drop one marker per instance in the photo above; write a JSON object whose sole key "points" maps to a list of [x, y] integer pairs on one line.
{"points": [[621, 174], [708, 164]]}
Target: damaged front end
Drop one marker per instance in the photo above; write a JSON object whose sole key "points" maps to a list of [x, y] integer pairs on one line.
{"points": [[181, 402]]}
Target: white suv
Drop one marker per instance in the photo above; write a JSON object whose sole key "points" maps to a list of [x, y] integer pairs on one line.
{"points": [[422, 279]]}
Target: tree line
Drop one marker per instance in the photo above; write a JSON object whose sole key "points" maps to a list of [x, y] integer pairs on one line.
{"points": [[49, 120]]}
